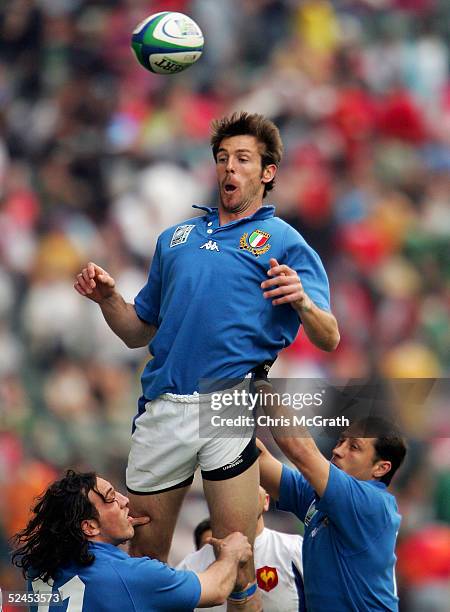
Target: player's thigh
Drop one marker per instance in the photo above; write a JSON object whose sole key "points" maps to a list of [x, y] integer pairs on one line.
{"points": [[155, 538], [233, 503], [233, 506]]}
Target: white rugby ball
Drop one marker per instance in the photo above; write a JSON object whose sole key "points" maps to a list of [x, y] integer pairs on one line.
{"points": [[167, 42]]}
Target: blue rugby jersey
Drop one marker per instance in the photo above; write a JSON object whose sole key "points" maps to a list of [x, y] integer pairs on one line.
{"points": [[204, 295], [349, 541], [116, 581]]}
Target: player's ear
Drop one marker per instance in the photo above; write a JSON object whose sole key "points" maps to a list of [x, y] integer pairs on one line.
{"points": [[268, 173], [90, 528], [381, 468]]}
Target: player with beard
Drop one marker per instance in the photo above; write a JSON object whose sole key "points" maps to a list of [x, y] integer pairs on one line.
{"points": [[226, 292], [70, 548]]}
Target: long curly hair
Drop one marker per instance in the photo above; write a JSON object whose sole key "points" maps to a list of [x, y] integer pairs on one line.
{"points": [[53, 537]]}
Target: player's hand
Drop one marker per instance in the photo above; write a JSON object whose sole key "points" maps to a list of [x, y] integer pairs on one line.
{"points": [[284, 287], [261, 446], [235, 545], [95, 283]]}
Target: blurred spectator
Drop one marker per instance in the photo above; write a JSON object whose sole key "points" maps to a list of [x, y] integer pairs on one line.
{"points": [[97, 156]]}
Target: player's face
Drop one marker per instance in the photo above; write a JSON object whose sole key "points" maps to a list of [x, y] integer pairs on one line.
{"points": [[240, 175], [356, 457], [114, 523], [204, 538]]}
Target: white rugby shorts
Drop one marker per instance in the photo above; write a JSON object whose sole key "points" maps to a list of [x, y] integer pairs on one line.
{"points": [[166, 448]]}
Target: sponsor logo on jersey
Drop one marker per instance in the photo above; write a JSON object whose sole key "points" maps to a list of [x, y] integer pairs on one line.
{"points": [[267, 577], [211, 245], [256, 242], [181, 234]]}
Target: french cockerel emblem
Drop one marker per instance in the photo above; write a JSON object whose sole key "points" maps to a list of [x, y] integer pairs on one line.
{"points": [[267, 577]]}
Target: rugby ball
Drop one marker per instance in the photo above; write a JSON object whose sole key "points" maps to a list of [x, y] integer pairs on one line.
{"points": [[167, 42]]}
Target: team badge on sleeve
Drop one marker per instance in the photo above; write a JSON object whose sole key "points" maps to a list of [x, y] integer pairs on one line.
{"points": [[267, 578], [181, 234], [256, 243]]}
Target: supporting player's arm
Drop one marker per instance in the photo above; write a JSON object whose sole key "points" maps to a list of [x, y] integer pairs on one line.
{"points": [[218, 580], [96, 284], [307, 458], [296, 443], [269, 471], [285, 287]]}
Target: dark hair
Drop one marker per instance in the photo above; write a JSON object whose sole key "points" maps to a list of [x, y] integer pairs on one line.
{"points": [[200, 530], [53, 536], [389, 443], [245, 124]]}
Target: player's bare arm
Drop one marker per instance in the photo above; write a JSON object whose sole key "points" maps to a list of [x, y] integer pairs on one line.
{"points": [[269, 471], [94, 283], [218, 580], [285, 287], [297, 444], [302, 451]]}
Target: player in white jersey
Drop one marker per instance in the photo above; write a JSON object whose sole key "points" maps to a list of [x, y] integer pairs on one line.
{"points": [[278, 565]]}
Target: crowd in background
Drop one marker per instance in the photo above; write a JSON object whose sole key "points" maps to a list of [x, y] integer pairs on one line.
{"points": [[98, 156]]}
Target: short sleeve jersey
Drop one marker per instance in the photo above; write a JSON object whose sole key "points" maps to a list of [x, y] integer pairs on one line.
{"points": [[204, 296], [349, 541], [116, 581], [278, 565]]}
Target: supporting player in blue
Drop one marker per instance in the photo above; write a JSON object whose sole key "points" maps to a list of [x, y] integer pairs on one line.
{"points": [[351, 520], [120, 582], [70, 548], [350, 535]]}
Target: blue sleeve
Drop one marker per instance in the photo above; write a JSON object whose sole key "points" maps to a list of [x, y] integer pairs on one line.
{"points": [[308, 265], [148, 300], [296, 494], [355, 507], [155, 585]]}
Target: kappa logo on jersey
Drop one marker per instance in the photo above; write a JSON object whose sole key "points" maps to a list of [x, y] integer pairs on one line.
{"points": [[211, 245], [256, 243], [181, 234], [267, 578]]}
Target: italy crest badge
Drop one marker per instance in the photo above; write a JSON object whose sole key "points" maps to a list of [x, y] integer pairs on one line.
{"points": [[256, 243]]}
